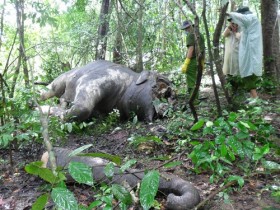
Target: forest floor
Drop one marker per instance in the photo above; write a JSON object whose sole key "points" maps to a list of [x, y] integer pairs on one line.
{"points": [[19, 190]]}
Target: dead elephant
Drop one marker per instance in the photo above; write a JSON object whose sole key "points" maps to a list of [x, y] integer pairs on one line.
{"points": [[181, 195], [101, 86]]}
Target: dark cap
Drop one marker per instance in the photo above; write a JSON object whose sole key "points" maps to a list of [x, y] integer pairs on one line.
{"points": [[185, 25], [229, 19], [244, 10]]}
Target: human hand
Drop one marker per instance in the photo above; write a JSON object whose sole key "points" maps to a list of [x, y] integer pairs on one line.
{"points": [[185, 66]]}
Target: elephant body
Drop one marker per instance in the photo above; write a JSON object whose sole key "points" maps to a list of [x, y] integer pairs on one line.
{"points": [[101, 86]]}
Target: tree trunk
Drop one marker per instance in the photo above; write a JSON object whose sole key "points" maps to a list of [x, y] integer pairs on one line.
{"points": [[139, 52], [270, 32], [211, 59], [117, 57], [2, 22], [20, 27], [216, 47], [101, 42]]}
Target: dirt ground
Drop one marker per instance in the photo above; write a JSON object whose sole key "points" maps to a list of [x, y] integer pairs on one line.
{"points": [[18, 190]]}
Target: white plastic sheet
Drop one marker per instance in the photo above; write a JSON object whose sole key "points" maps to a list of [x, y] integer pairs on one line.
{"points": [[231, 64], [251, 44]]}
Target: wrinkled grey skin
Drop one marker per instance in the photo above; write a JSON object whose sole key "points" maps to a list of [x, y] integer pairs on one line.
{"points": [[101, 86], [181, 195]]}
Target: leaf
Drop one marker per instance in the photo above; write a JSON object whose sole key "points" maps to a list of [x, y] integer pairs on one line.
{"points": [[44, 173], [172, 164], [245, 124], [64, 199], [260, 152], [109, 170], [33, 167], [5, 139], [270, 165], [79, 150], [223, 149], [95, 204], [40, 203], [69, 127], [113, 158], [81, 172], [197, 125], [128, 164], [121, 194], [148, 189], [239, 179], [47, 175]]}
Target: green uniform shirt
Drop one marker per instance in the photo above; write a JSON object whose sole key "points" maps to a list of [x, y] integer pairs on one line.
{"points": [[191, 42], [192, 68]]}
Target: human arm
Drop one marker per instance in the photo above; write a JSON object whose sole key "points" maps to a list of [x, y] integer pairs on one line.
{"points": [[188, 59]]}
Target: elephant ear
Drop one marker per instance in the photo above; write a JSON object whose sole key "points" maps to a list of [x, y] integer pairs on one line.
{"points": [[144, 76]]}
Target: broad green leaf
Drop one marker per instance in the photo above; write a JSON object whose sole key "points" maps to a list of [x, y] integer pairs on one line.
{"points": [[79, 150], [260, 152], [172, 164], [44, 173], [64, 199], [223, 149], [121, 194], [95, 204], [232, 117], [197, 125], [128, 164], [47, 175], [245, 124], [113, 158], [270, 165], [220, 139], [242, 135], [109, 170], [40, 202], [239, 179], [33, 167], [5, 139], [81, 172], [148, 189]]}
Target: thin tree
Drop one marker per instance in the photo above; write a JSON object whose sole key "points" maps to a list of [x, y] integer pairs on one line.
{"points": [[101, 42], [139, 53], [270, 30], [211, 58], [216, 47], [117, 57], [2, 22]]}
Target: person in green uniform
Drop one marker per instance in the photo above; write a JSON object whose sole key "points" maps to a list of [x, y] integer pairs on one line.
{"points": [[190, 65]]}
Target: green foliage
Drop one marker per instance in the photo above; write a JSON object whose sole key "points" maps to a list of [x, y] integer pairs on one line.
{"points": [[82, 173], [137, 140], [113, 158], [148, 189], [64, 198], [231, 139], [121, 194], [40, 202]]}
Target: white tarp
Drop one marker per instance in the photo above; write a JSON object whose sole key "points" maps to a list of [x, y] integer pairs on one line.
{"points": [[231, 64], [251, 44]]}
